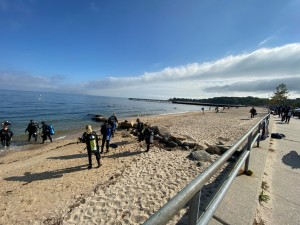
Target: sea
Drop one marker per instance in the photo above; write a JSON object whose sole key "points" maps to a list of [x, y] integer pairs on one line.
{"points": [[70, 113]]}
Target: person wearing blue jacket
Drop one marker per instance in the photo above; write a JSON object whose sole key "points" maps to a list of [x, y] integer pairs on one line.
{"points": [[45, 132], [106, 131]]}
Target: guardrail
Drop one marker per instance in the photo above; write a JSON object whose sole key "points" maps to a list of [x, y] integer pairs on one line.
{"points": [[191, 193]]}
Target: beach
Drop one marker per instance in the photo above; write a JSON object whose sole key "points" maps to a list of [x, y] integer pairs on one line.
{"points": [[50, 183]]}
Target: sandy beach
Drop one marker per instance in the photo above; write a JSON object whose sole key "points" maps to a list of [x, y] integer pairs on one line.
{"points": [[50, 184]]}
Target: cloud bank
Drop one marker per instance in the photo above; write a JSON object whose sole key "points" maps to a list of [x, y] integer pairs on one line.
{"points": [[256, 73]]}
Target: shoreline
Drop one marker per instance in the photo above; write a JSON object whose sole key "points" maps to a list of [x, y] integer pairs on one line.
{"points": [[20, 143], [52, 184]]}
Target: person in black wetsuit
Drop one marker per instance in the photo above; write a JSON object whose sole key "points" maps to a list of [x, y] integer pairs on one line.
{"points": [[106, 131], [148, 136], [32, 129], [253, 112], [45, 132], [140, 128], [91, 139], [6, 135]]}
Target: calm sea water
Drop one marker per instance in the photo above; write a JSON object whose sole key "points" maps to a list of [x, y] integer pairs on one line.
{"points": [[69, 113]]}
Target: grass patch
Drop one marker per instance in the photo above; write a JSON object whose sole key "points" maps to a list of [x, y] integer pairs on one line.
{"points": [[263, 197]]}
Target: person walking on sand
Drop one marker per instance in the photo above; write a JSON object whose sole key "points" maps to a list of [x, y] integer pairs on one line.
{"points": [[106, 131], [252, 112], [140, 128], [6, 135], [45, 132], [149, 136], [91, 139], [202, 110]]}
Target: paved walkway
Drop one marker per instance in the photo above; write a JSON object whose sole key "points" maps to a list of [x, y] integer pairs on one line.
{"points": [[285, 183], [240, 203]]}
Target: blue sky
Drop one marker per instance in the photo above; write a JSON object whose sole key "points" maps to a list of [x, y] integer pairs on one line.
{"points": [[152, 49]]}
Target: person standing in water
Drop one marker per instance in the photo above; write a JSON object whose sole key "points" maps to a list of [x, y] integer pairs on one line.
{"points": [[32, 129], [45, 132], [6, 135]]}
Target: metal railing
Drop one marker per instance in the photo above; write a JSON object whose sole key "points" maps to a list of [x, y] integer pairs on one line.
{"points": [[191, 193]]}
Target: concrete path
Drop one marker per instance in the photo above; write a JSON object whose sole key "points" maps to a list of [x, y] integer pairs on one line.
{"points": [[241, 201], [285, 177]]}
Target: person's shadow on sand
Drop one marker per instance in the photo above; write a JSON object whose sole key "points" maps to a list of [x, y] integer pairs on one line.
{"points": [[66, 157], [292, 159], [30, 177]]}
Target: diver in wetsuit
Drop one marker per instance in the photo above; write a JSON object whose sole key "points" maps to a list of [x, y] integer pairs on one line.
{"points": [[6, 135], [32, 129]]}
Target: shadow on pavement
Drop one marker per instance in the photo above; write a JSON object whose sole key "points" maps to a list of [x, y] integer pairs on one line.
{"points": [[292, 159]]}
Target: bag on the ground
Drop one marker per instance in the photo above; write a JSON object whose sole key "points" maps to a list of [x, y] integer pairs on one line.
{"points": [[113, 145], [277, 135], [51, 129]]}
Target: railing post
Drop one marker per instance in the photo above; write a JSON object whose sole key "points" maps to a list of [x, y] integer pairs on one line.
{"points": [[194, 208], [248, 149], [259, 137]]}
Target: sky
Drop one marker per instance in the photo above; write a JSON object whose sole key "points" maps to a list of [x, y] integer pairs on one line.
{"points": [[156, 49]]}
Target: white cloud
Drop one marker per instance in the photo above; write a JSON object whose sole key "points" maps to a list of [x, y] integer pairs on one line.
{"points": [[264, 64], [255, 73], [265, 41]]}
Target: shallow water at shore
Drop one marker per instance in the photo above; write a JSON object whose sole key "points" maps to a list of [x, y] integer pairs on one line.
{"points": [[69, 113]]}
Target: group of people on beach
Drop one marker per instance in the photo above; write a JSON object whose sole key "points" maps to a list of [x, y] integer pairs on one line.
{"points": [[33, 128], [33, 131], [90, 137]]}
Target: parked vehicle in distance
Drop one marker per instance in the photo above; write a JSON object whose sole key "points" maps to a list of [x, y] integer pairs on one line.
{"points": [[296, 112]]}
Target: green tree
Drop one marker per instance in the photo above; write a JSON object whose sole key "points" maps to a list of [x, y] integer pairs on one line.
{"points": [[280, 96]]}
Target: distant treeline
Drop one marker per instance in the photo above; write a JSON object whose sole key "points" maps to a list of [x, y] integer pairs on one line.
{"points": [[248, 101]]}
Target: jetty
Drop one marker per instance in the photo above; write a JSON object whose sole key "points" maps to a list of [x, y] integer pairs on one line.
{"points": [[207, 104], [188, 102], [150, 100]]}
